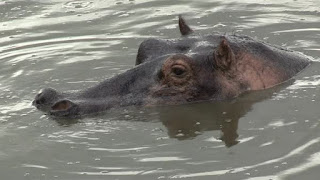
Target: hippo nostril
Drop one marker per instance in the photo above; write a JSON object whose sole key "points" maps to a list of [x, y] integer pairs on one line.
{"points": [[42, 101]]}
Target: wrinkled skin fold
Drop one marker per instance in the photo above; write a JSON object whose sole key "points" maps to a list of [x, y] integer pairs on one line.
{"points": [[188, 69]]}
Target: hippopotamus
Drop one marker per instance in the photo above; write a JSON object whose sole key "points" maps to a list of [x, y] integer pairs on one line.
{"points": [[191, 68]]}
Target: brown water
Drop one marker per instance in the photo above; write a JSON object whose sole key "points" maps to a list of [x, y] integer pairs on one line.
{"points": [[272, 134]]}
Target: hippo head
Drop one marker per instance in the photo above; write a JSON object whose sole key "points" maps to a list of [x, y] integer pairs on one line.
{"points": [[187, 69]]}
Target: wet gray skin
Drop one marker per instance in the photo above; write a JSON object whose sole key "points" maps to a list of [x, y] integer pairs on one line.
{"points": [[192, 68]]}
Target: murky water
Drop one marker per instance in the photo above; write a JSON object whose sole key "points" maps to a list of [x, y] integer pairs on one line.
{"points": [[69, 45]]}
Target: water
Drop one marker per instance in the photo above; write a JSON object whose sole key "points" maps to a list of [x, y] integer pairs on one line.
{"points": [[70, 45]]}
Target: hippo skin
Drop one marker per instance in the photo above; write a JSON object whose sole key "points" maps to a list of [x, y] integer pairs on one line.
{"points": [[191, 68]]}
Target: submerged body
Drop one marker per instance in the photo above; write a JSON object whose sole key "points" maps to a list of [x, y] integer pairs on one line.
{"points": [[188, 69]]}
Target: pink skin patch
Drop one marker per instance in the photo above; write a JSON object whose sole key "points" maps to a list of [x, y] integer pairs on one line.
{"points": [[258, 73]]}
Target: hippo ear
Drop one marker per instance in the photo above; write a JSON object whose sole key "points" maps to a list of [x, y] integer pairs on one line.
{"points": [[63, 108], [224, 56], [184, 28]]}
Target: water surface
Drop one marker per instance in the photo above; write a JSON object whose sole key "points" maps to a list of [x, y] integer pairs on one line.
{"points": [[70, 45]]}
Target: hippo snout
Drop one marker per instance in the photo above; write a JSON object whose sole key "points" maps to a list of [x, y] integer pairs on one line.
{"points": [[49, 100], [46, 98]]}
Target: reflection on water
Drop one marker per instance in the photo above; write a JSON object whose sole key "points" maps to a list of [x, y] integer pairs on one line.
{"points": [[70, 45], [187, 121]]}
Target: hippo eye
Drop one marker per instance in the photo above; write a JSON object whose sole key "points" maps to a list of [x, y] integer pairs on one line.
{"points": [[178, 70]]}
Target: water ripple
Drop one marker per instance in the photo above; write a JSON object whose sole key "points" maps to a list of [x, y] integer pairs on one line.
{"points": [[34, 166], [292, 153], [118, 150], [161, 159], [75, 44], [311, 162]]}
